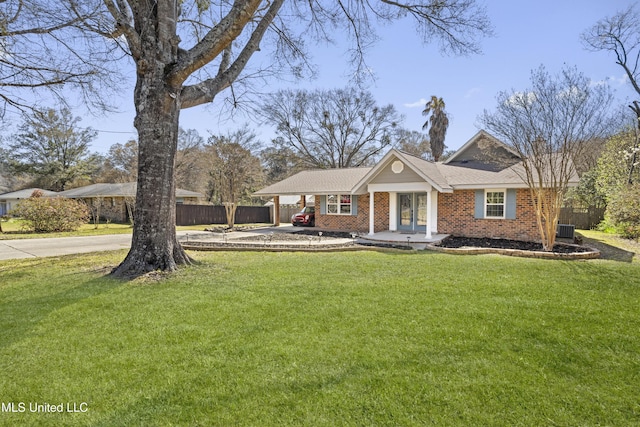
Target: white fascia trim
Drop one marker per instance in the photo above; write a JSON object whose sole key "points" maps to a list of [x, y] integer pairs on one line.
{"points": [[485, 186], [400, 187]]}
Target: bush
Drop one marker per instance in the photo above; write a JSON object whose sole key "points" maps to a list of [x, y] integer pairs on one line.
{"points": [[46, 215], [623, 211]]}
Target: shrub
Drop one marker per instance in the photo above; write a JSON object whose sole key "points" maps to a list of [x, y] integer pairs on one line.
{"points": [[623, 211], [46, 215]]}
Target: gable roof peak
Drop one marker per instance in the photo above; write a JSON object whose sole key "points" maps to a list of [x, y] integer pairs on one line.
{"points": [[406, 153], [481, 134]]}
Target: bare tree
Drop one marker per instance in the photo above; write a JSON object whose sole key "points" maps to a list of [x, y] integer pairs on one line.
{"points": [[280, 163], [235, 172], [620, 34], [191, 167], [413, 142], [549, 125], [45, 48], [186, 53], [120, 163], [337, 128]]}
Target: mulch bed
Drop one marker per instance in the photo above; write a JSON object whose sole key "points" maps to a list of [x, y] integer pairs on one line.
{"points": [[456, 242]]}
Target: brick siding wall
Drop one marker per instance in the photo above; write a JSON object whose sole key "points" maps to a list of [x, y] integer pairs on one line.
{"points": [[109, 208], [359, 223], [456, 216]]}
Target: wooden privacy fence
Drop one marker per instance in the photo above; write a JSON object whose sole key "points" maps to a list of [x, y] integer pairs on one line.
{"points": [[286, 211], [207, 214], [582, 218]]}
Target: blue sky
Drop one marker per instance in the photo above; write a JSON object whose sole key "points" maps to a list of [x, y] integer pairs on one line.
{"points": [[528, 34]]}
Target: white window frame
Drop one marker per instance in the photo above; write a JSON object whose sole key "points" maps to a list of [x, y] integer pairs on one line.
{"points": [[503, 204], [339, 204]]}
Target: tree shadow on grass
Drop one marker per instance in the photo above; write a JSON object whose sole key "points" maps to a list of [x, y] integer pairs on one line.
{"points": [[21, 316], [609, 252]]}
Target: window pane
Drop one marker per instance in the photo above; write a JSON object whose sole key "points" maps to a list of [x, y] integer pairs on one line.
{"points": [[495, 197], [332, 198], [345, 198], [345, 209], [332, 209], [495, 211]]}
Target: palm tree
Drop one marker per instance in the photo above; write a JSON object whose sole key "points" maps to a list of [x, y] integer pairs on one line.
{"points": [[439, 124]]}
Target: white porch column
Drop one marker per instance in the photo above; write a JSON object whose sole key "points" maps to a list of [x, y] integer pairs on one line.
{"points": [[371, 214], [393, 211], [428, 235]]}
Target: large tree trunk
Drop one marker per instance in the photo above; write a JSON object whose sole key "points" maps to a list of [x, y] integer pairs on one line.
{"points": [[154, 245]]}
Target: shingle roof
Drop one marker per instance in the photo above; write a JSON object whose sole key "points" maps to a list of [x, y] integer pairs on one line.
{"points": [[467, 177], [127, 189], [319, 181], [429, 169], [486, 172], [26, 193]]}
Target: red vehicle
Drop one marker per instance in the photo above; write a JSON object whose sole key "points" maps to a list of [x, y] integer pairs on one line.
{"points": [[305, 217]]}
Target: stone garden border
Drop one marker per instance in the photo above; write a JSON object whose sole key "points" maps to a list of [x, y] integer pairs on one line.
{"points": [[338, 247], [592, 253]]}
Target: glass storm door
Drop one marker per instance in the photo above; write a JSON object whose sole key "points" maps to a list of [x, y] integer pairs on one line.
{"points": [[405, 206], [412, 211], [421, 212]]}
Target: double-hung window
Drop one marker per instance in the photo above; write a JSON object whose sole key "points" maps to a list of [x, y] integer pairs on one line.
{"points": [[494, 206], [339, 204]]}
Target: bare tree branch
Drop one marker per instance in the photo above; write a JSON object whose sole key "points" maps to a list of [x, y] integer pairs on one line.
{"points": [[549, 126], [217, 39], [337, 128], [619, 34], [46, 45], [207, 90]]}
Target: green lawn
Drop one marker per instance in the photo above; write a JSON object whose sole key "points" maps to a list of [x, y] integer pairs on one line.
{"points": [[15, 229], [323, 339]]}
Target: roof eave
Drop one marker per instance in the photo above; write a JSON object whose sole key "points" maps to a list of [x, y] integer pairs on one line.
{"points": [[358, 188]]}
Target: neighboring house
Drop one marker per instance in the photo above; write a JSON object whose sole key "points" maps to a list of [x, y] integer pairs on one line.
{"points": [[8, 201], [115, 201], [478, 192]]}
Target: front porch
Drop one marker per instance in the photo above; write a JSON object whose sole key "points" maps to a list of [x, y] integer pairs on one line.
{"points": [[403, 237], [411, 210]]}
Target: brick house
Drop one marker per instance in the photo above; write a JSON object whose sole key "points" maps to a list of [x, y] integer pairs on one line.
{"points": [[115, 202], [478, 192]]}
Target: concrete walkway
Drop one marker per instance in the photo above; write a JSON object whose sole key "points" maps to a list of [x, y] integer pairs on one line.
{"points": [[402, 237]]}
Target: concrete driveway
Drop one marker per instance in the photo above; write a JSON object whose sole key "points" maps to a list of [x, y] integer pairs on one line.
{"points": [[33, 248], [55, 246]]}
